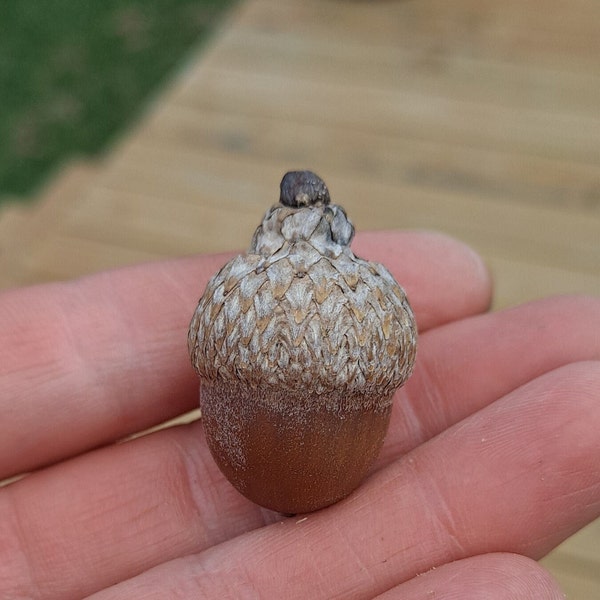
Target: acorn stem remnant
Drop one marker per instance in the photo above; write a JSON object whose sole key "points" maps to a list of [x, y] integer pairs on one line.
{"points": [[300, 346], [303, 188]]}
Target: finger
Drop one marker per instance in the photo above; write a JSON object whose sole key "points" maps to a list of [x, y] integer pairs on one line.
{"points": [[91, 361], [458, 285], [96, 519], [466, 365], [518, 476], [187, 505], [489, 576]]}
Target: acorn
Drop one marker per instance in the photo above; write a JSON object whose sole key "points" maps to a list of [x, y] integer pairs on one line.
{"points": [[300, 346]]}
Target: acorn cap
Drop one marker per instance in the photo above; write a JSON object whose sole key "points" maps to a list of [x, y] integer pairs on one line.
{"points": [[300, 309]]}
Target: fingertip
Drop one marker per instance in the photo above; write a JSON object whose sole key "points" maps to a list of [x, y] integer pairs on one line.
{"points": [[501, 576], [444, 278]]}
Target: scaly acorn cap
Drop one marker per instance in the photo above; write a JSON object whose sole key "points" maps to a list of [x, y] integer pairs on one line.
{"points": [[298, 324]]}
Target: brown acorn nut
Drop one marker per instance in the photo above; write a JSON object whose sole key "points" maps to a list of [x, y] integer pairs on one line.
{"points": [[300, 346]]}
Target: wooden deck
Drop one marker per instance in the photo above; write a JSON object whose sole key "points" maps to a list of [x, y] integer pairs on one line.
{"points": [[477, 118]]}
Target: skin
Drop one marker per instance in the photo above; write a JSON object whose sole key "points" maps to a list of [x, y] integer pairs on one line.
{"points": [[490, 461]]}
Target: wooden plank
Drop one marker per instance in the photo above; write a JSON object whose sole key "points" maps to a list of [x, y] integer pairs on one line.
{"points": [[325, 59], [159, 223], [517, 281], [440, 165], [13, 221], [40, 220], [60, 257], [576, 563], [399, 112], [539, 31], [583, 544], [13, 215]]}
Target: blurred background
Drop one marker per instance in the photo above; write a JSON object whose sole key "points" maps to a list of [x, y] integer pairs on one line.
{"points": [[133, 131], [74, 74]]}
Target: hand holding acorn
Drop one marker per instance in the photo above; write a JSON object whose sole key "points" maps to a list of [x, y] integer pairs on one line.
{"points": [[513, 417]]}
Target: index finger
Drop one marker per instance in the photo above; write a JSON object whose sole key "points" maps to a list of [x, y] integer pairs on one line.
{"points": [[88, 362]]}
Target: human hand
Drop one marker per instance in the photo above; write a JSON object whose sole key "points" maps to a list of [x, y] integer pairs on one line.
{"points": [[491, 458]]}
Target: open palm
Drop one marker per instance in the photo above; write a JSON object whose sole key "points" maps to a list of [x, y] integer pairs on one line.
{"points": [[491, 459]]}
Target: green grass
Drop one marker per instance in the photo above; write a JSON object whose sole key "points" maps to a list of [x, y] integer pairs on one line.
{"points": [[73, 73]]}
